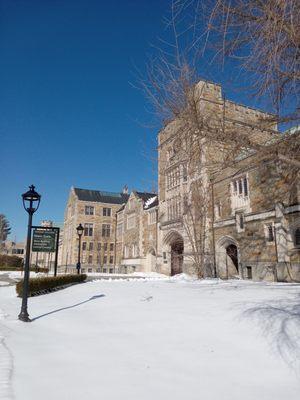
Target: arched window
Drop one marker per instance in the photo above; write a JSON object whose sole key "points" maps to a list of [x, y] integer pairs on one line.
{"points": [[297, 237]]}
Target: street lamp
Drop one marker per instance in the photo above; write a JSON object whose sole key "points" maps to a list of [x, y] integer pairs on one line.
{"points": [[79, 230], [31, 202]]}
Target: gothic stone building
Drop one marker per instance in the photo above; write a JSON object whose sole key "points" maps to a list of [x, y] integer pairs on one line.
{"points": [[96, 211], [252, 221], [136, 239]]}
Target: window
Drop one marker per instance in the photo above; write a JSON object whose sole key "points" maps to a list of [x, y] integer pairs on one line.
{"points": [[105, 246], [174, 208], [111, 259], [173, 178], [218, 210], [134, 250], [88, 229], [17, 251], [152, 217], [245, 186], [130, 221], [111, 270], [90, 269], [89, 210], [240, 222], [105, 230], [270, 233], [105, 260], [106, 212], [83, 245], [297, 237], [126, 251], [111, 247], [240, 199], [91, 246], [99, 246], [90, 260], [240, 187], [104, 270]]}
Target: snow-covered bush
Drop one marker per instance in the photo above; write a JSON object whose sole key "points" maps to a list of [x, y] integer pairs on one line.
{"points": [[47, 284]]}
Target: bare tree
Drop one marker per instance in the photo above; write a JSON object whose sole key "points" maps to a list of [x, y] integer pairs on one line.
{"points": [[4, 229], [211, 136], [262, 36]]}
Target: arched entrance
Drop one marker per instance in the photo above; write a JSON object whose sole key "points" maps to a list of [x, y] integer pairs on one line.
{"points": [[232, 259], [175, 246], [176, 257], [227, 257]]}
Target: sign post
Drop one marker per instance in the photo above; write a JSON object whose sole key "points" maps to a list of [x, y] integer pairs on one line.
{"points": [[46, 239]]}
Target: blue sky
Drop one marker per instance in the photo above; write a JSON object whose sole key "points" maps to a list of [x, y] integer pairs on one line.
{"points": [[69, 115]]}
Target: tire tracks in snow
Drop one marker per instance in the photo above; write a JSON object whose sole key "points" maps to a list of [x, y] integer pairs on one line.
{"points": [[6, 364]]}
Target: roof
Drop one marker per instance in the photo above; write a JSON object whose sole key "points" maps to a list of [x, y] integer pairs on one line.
{"points": [[150, 203], [101, 196], [144, 195]]}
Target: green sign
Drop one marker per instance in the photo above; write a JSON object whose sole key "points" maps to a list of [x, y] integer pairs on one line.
{"points": [[43, 241]]}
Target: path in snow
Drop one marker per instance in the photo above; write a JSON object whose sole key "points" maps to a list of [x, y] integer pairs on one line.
{"points": [[151, 339]]}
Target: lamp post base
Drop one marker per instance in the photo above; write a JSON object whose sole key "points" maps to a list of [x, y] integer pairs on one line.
{"points": [[24, 316]]}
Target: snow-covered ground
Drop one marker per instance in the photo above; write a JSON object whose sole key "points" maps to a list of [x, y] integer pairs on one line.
{"points": [[153, 339]]}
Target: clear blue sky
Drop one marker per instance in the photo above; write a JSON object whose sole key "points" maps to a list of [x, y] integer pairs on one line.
{"points": [[69, 115]]}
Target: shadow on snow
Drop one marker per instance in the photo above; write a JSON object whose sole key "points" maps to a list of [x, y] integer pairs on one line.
{"points": [[67, 308]]}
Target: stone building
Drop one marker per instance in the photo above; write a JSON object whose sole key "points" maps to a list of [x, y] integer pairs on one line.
{"points": [[136, 239], [96, 211], [13, 248], [256, 224], [235, 219], [250, 230]]}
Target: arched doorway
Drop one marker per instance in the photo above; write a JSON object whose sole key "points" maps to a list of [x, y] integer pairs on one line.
{"points": [[232, 259], [173, 243], [176, 257], [227, 257]]}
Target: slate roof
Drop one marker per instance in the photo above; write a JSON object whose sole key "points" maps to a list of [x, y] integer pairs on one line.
{"points": [[101, 196]]}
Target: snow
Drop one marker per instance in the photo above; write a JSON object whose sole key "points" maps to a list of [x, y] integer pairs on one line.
{"points": [[149, 202], [144, 339]]}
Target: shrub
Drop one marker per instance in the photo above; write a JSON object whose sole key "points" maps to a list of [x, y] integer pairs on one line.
{"points": [[10, 261], [47, 284]]}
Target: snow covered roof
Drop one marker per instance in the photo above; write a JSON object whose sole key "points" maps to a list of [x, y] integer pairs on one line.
{"points": [[151, 202]]}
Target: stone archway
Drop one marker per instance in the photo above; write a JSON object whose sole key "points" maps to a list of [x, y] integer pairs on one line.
{"points": [[227, 257], [175, 245]]}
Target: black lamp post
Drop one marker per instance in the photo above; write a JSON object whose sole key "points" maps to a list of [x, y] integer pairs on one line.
{"points": [[31, 202], [79, 230]]}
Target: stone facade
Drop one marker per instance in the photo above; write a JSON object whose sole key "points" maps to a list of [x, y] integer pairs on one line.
{"points": [[137, 233], [96, 211], [255, 229], [254, 194]]}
